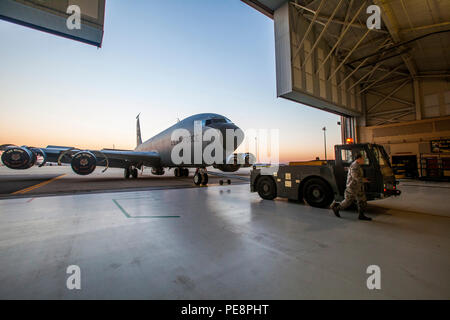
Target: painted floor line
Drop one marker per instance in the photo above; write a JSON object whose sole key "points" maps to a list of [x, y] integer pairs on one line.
{"points": [[138, 217], [23, 191]]}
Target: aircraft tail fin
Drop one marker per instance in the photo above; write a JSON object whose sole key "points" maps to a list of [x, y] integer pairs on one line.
{"points": [[138, 131]]}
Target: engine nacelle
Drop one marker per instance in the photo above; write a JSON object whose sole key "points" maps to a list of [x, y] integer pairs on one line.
{"points": [[227, 167], [18, 158], [236, 161], [84, 163], [243, 159]]}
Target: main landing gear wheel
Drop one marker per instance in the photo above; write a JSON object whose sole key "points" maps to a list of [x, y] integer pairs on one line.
{"points": [[201, 177], [266, 187], [198, 179], [318, 194], [130, 172], [204, 179], [126, 173], [181, 172]]}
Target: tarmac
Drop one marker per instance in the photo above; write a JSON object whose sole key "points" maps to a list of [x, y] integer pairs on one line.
{"points": [[61, 180], [163, 238]]}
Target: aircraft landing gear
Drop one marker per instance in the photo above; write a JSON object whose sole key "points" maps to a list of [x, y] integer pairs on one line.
{"points": [[181, 172], [130, 172], [201, 177]]}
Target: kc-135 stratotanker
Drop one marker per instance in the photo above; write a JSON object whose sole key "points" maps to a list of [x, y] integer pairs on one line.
{"points": [[156, 152]]}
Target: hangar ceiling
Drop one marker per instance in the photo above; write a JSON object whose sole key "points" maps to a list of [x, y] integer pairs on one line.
{"points": [[386, 64]]}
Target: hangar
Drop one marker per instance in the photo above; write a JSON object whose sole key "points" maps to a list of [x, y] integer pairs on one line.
{"points": [[390, 85], [130, 241]]}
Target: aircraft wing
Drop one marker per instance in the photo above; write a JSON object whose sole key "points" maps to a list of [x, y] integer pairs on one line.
{"points": [[22, 157], [105, 157]]}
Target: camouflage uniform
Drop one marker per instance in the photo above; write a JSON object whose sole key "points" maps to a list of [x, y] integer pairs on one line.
{"points": [[355, 188]]}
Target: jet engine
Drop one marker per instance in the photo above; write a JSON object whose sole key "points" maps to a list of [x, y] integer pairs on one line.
{"points": [[84, 163], [236, 161], [18, 158], [244, 159]]}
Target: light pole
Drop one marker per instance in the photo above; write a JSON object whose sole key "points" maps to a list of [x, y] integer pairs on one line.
{"points": [[256, 146], [325, 141]]}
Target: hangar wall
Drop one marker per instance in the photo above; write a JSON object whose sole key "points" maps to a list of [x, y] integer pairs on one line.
{"points": [[415, 120]]}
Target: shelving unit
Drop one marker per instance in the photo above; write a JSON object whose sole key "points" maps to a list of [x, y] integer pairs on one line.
{"points": [[435, 166]]}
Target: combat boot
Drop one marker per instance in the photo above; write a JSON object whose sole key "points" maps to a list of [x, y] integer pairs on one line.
{"points": [[335, 207], [362, 216]]}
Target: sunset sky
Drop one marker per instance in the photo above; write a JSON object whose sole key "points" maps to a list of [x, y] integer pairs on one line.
{"points": [[165, 59]]}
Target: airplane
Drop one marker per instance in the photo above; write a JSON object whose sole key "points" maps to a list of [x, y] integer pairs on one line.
{"points": [[155, 153]]}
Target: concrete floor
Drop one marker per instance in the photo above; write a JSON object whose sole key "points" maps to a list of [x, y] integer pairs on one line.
{"points": [[59, 180], [218, 243]]}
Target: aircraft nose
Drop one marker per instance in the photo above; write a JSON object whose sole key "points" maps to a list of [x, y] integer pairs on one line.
{"points": [[234, 129], [223, 127]]}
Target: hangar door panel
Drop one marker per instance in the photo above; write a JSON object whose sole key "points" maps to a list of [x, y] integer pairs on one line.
{"points": [[51, 16], [302, 74]]}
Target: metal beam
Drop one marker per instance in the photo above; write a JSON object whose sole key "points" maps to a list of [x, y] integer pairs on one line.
{"points": [[396, 72], [392, 25], [363, 77], [347, 15], [255, 4], [350, 53], [303, 7], [417, 100], [355, 25], [391, 119], [380, 79], [322, 2], [389, 82], [388, 96], [381, 113], [322, 33], [425, 27], [351, 73], [360, 65], [376, 93], [445, 75], [340, 38]]}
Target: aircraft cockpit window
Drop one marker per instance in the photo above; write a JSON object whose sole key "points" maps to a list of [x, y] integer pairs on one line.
{"points": [[219, 120]]}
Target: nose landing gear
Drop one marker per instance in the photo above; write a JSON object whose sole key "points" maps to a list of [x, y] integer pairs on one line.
{"points": [[201, 177]]}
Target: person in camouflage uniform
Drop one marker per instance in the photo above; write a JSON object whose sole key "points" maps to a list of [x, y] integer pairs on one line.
{"points": [[354, 190]]}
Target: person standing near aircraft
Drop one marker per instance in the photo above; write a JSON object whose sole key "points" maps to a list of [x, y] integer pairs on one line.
{"points": [[354, 190]]}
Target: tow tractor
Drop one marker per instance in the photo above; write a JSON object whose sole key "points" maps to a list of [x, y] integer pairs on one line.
{"points": [[319, 182]]}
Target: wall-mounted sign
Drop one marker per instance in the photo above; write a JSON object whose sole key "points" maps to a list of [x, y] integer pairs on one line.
{"points": [[440, 146]]}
